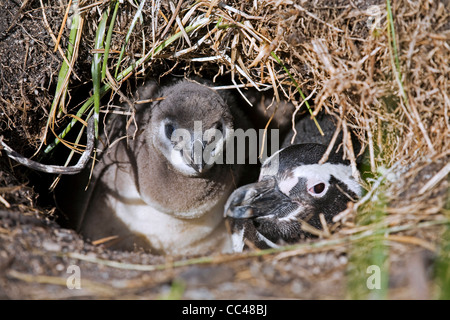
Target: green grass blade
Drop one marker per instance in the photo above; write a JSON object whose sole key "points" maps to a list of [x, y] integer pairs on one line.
{"points": [[298, 89], [176, 292], [394, 56], [61, 88], [443, 260], [96, 68], [391, 31], [106, 87], [108, 39], [443, 266], [89, 102], [63, 75], [368, 267], [137, 15]]}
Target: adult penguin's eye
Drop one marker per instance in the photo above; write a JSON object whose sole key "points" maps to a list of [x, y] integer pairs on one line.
{"points": [[318, 190], [169, 129]]}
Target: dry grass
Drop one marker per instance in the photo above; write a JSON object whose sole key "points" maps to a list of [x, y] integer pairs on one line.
{"points": [[382, 71]]}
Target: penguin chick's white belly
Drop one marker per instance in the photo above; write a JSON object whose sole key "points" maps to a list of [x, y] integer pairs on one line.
{"points": [[169, 234]]}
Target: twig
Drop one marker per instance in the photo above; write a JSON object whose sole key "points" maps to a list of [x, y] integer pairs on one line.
{"points": [[211, 6], [349, 147], [316, 18], [274, 55], [136, 16], [277, 98], [61, 281], [155, 10], [332, 142], [63, 23], [243, 14], [374, 187], [412, 240], [149, 100], [239, 69], [104, 240], [295, 249], [326, 230], [371, 147], [305, 226], [398, 77], [327, 244], [50, 32], [243, 85], [81, 164], [297, 109], [16, 16], [322, 53], [436, 179], [446, 110], [180, 24], [172, 19], [196, 46], [5, 203], [344, 213]]}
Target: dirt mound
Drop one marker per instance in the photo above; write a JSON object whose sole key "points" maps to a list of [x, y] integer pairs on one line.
{"points": [[382, 71]]}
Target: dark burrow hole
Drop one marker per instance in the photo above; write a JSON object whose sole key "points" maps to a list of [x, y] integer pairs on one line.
{"points": [[41, 182]]}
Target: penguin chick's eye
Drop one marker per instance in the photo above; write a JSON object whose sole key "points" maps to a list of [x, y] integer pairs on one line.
{"points": [[318, 190], [169, 129]]}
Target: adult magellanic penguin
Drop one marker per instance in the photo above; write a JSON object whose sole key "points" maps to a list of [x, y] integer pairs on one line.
{"points": [[292, 188], [164, 190]]}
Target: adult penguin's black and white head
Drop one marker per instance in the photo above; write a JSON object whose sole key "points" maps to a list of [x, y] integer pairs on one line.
{"points": [[292, 187], [190, 126]]}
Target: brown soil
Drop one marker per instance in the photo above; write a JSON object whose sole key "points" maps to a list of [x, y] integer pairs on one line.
{"points": [[36, 252]]}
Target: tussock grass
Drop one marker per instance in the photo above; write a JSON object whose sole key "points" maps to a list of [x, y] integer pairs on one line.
{"points": [[384, 76], [368, 80]]}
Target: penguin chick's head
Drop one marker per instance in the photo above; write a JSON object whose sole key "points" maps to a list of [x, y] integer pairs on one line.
{"points": [[292, 188], [190, 127]]}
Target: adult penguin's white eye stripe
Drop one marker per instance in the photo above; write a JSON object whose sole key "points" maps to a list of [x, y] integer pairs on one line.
{"points": [[325, 171], [270, 166], [288, 184]]}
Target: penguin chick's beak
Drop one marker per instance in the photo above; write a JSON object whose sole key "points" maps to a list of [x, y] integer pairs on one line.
{"points": [[258, 199], [195, 158], [198, 154]]}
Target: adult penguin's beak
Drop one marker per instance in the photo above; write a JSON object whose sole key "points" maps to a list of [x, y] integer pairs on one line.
{"points": [[259, 199]]}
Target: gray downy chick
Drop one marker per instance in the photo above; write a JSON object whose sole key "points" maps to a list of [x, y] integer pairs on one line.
{"points": [[165, 190]]}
